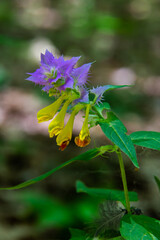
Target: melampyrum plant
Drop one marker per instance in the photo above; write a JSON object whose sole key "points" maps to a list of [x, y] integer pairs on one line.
{"points": [[67, 86]]}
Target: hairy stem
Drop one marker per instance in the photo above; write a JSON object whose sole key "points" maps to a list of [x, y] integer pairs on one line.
{"points": [[123, 174]]}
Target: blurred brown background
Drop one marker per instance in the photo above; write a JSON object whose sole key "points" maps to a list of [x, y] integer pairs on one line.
{"points": [[124, 38]]}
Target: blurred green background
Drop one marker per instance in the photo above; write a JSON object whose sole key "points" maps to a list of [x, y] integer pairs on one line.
{"points": [[123, 37]]}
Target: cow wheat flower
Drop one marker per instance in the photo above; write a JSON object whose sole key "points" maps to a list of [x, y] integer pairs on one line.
{"points": [[84, 137], [49, 112], [67, 83], [65, 135]]}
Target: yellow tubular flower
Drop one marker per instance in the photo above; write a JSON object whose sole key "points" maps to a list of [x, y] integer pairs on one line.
{"points": [[84, 136], [57, 123], [48, 112], [65, 135]]}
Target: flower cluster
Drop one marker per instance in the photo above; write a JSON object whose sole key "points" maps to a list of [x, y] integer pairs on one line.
{"points": [[61, 79], [56, 74]]}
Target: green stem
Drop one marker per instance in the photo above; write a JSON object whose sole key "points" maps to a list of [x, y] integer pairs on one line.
{"points": [[123, 174]]}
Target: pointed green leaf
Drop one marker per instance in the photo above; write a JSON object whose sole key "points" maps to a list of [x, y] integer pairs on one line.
{"points": [[114, 129], [102, 106], [140, 227], [99, 91], [146, 139], [157, 181], [110, 87], [92, 153], [108, 194]]}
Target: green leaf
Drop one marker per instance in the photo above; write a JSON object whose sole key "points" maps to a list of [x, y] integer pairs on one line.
{"points": [[108, 88], [92, 153], [102, 106], [146, 139], [111, 87], [103, 90], [140, 227], [114, 129], [109, 194], [157, 181], [94, 118]]}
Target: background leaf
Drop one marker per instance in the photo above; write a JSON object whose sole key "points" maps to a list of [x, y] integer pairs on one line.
{"points": [[92, 153], [47, 210], [146, 139], [109, 194], [140, 227], [114, 129]]}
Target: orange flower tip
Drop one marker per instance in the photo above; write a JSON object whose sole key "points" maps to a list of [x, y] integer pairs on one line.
{"points": [[64, 145], [82, 143]]}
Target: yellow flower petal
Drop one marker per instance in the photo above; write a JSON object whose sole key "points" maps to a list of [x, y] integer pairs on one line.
{"points": [[82, 143], [57, 123], [65, 135], [84, 136], [48, 112]]}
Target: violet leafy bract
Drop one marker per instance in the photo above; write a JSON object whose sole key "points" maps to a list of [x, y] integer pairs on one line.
{"points": [[59, 73]]}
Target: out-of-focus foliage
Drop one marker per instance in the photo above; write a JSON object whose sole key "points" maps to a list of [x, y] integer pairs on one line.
{"points": [[51, 212]]}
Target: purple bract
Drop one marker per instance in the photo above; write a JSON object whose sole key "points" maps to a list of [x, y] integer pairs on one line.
{"points": [[58, 73]]}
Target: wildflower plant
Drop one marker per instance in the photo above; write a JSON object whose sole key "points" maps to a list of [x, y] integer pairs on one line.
{"points": [[67, 85]]}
